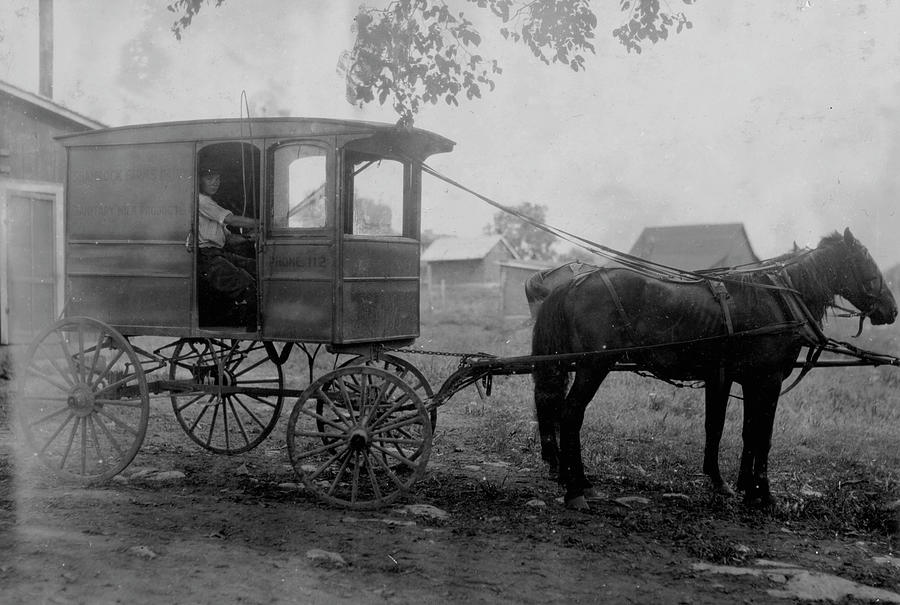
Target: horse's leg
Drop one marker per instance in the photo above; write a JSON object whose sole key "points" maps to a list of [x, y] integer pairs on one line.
{"points": [[549, 390], [745, 474], [584, 387], [762, 398], [717, 393]]}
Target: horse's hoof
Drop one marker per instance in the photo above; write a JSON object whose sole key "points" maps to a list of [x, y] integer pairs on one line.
{"points": [[577, 503], [762, 501], [591, 494], [723, 489]]}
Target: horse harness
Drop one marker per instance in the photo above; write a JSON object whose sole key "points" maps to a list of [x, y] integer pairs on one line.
{"points": [[801, 320]]}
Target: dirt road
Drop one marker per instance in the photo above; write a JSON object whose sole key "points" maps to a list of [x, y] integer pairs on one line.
{"points": [[237, 530]]}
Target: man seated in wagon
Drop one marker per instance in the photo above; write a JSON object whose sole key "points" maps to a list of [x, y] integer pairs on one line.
{"points": [[225, 263]]}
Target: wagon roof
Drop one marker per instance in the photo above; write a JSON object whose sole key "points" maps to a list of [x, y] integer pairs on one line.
{"points": [[416, 141]]}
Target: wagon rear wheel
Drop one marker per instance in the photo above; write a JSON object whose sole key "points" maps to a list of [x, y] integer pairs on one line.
{"points": [[240, 393], [359, 437], [82, 400]]}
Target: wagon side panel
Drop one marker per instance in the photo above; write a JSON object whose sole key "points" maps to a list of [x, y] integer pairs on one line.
{"points": [[128, 214], [380, 299]]}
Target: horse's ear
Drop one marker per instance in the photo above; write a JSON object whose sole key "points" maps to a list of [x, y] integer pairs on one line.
{"points": [[848, 237]]}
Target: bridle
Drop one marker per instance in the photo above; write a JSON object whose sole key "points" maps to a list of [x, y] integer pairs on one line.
{"points": [[871, 290]]}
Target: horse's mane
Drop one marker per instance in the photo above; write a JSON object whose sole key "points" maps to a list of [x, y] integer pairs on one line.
{"points": [[810, 270]]}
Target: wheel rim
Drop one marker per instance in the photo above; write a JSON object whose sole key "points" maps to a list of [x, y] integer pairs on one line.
{"points": [[82, 402], [369, 443], [226, 422]]}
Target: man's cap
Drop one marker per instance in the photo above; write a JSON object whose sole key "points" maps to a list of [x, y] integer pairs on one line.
{"points": [[208, 170]]}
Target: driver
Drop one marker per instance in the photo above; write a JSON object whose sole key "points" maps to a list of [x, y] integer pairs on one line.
{"points": [[225, 269]]}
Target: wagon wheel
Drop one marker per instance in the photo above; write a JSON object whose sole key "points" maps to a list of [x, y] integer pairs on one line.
{"points": [[404, 370], [82, 401], [369, 443], [233, 414]]}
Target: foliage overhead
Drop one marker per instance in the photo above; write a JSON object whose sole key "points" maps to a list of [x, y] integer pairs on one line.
{"points": [[529, 241], [413, 52]]}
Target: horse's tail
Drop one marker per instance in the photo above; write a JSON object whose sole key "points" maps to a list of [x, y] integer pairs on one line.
{"points": [[550, 337]]}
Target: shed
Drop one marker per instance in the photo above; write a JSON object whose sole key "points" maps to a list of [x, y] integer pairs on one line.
{"points": [[513, 275], [456, 260], [32, 175], [694, 247]]}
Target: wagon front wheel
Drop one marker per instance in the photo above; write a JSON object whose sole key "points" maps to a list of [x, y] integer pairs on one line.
{"points": [[82, 401], [359, 437]]}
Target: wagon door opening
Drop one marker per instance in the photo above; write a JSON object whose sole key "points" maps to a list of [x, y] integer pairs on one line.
{"points": [[237, 165]]}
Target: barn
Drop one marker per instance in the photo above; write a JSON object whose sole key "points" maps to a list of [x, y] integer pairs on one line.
{"points": [[32, 175], [695, 247], [475, 260]]}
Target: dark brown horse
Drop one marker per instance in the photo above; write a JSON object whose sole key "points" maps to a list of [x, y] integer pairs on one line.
{"points": [[744, 327]]}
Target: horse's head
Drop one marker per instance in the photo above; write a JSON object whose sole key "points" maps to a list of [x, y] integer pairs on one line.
{"points": [[863, 284]]}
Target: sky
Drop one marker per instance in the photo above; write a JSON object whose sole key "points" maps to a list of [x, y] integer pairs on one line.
{"points": [[783, 116]]}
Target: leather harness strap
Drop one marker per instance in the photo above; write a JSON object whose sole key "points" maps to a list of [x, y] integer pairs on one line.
{"points": [[604, 275], [720, 293]]}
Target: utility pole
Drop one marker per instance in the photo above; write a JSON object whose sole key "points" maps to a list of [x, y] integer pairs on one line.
{"points": [[45, 34]]}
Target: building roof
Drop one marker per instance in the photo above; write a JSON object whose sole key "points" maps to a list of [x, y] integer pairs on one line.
{"points": [[530, 265], [48, 105], [694, 247], [464, 248]]}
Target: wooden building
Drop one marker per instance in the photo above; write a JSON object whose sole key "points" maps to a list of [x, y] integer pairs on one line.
{"points": [[695, 247], [476, 260], [32, 177]]}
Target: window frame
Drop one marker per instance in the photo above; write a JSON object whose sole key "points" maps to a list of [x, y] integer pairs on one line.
{"points": [[409, 221], [328, 151]]}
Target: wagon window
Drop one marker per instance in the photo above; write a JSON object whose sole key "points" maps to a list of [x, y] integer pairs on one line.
{"points": [[377, 187], [299, 187]]}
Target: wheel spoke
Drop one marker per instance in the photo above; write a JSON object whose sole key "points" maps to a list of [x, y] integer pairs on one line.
{"points": [[119, 423], [35, 372], [112, 439], [57, 432], [48, 417], [237, 418], [403, 460], [103, 372], [348, 453], [314, 475], [68, 448], [325, 420]]}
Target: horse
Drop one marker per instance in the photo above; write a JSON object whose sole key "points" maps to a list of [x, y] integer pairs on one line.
{"points": [[737, 326]]}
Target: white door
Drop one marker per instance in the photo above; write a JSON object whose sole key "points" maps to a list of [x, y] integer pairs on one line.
{"points": [[31, 258]]}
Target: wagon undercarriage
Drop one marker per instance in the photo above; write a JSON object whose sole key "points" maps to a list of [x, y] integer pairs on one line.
{"points": [[358, 436]]}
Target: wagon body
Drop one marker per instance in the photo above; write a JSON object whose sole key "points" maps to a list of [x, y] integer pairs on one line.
{"points": [[338, 205]]}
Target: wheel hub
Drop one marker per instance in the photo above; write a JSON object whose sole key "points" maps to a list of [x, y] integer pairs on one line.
{"points": [[359, 439], [81, 400]]}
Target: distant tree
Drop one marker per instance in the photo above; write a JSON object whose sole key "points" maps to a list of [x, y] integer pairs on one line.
{"points": [[429, 237], [529, 241], [421, 51]]}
